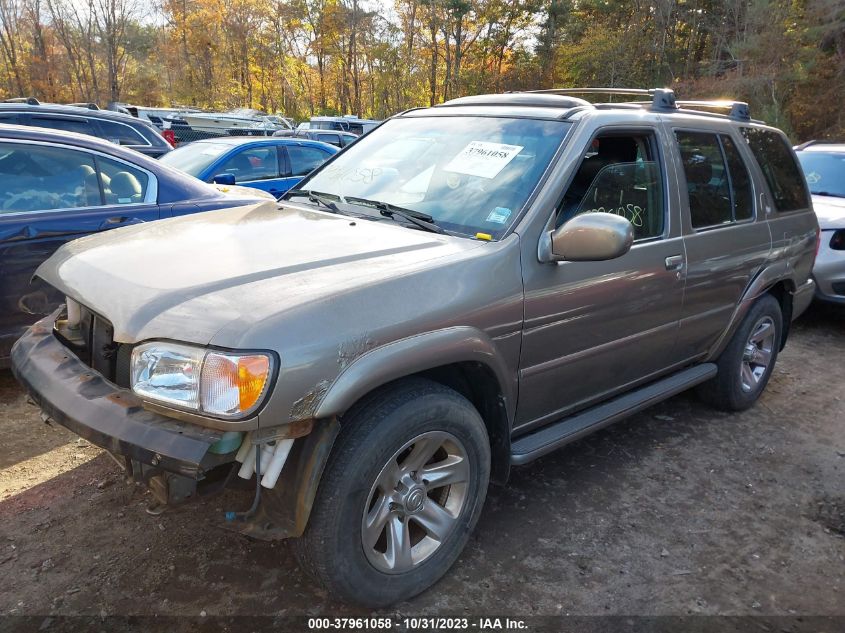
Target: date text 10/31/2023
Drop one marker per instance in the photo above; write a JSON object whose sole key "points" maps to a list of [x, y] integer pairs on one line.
{"points": [[422, 623]]}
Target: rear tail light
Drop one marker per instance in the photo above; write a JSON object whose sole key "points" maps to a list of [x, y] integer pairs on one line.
{"points": [[170, 137], [837, 241]]}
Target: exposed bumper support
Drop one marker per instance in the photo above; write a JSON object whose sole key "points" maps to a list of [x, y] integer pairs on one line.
{"points": [[80, 399]]}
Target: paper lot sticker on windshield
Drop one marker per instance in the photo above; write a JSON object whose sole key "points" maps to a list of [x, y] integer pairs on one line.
{"points": [[483, 159]]}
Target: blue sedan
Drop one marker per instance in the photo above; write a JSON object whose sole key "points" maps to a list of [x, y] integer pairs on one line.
{"points": [[271, 164], [57, 186]]}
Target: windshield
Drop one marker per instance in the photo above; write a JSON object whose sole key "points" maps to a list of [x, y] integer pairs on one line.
{"points": [[194, 158], [471, 175], [825, 172]]}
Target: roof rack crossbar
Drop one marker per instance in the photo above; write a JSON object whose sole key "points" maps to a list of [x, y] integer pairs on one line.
{"points": [[26, 100], [641, 105], [661, 98], [90, 106], [597, 91], [737, 110]]}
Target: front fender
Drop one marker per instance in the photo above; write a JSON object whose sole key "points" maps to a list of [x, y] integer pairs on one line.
{"points": [[412, 355]]}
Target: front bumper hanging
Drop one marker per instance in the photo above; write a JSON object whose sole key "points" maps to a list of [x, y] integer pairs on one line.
{"points": [[82, 400]]}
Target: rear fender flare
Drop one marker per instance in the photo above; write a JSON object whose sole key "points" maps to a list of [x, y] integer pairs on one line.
{"points": [[759, 285]]}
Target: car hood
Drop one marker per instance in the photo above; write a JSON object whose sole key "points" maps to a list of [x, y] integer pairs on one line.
{"points": [[830, 211], [186, 278]]}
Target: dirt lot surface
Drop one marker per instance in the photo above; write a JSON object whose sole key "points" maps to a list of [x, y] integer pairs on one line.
{"points": [[679, 510]]}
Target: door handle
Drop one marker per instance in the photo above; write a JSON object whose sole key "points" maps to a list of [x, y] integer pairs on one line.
{"points": [[119, 220], [675, 262]]}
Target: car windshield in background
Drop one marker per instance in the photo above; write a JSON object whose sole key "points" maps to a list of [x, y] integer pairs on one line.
{"points": [[195, 157], [470, 175], [825, 172]]}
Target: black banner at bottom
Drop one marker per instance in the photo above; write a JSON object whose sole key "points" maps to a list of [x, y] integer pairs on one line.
{"points": [[422, 623]]}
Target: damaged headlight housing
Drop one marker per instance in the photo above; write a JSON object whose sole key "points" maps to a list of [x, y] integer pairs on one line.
{"points": [[221, 384]]}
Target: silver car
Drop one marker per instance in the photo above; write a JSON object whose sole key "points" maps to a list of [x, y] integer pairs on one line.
{"points": [[824, 168]]}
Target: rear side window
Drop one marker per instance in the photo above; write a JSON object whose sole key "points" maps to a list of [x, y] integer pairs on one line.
{"points": [[718, 184], [332, 139], [304, 160], [121, 134], [707, 179], [41, 178], [78, 125], [122, 184], [779, 168], [742, 193], [254, 163], [8, 118]]}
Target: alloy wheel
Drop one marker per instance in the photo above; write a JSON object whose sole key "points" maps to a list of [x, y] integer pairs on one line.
{"points": [[415, 502], [757, 355]]}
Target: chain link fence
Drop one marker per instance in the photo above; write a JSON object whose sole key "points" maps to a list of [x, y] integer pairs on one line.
{"points": [[183, 133]]}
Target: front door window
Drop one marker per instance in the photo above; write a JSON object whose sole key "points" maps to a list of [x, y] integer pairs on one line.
{"points": [[619, 174]]}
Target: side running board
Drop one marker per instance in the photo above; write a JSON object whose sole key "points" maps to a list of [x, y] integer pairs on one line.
{"points": [[551, 437]]}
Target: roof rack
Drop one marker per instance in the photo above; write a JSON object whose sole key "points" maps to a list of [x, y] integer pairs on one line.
{"points": [[737, 110], [26, 100], [89, 106], [662, 99]]}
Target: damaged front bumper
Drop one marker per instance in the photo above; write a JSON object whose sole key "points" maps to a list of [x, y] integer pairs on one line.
{"points": [[80, 399], [168, 455]]}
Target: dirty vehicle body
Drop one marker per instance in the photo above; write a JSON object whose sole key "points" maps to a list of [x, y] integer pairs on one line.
{"points": [[465, 289]]}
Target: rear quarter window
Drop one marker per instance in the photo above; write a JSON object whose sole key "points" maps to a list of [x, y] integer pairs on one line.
{"points": [[780, 169], [120, 133]]}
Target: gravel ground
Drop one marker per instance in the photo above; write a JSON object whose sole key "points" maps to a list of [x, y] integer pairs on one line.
{"points": [[679, 510]]}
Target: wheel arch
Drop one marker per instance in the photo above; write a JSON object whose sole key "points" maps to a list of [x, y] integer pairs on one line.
{"points": [[775, 280], [462, 358], [782, 291]]}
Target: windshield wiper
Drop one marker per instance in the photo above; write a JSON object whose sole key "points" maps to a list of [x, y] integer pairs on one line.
{"points": [[317, 198], [421, 220], [827, 193]]}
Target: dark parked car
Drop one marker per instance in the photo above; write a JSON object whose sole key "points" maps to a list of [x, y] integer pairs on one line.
{"points": [[336, 138], [272, 164], [115, 127], [399, 332], [352, 124], [57, 186]]}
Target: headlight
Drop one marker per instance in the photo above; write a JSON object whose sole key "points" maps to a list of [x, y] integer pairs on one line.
{"points": [[217, 383]]}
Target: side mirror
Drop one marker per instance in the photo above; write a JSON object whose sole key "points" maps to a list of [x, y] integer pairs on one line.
{"points": [[224, 179], [592, 237]]}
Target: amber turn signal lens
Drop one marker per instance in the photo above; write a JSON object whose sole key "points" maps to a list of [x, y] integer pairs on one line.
{"points": [[232, 384], [252, 376]]}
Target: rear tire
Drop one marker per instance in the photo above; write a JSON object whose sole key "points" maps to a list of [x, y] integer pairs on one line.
{"points": [[746, 364], [402, 491]]}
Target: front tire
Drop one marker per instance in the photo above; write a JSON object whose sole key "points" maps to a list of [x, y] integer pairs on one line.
{"points": [[746, 364], [401, 493]]}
